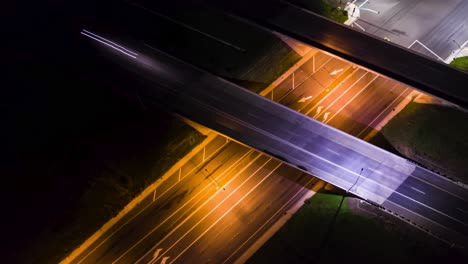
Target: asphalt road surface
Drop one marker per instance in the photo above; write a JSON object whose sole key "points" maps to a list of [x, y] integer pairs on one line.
{"points": [[354, 45], [219, 166], [216, 206], [439, 25], [329, 154]]}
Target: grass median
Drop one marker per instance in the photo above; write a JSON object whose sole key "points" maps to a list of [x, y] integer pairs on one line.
{"points": [[353, 237], [104, 163], [433, 135], [326, 8], [460, 63], [223, 45]]}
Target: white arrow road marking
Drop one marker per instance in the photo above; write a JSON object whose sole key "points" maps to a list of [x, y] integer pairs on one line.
{"points": [[336, 71], [304, 99], [163, 261], [319, 109], [325, 116], [156, 253]]}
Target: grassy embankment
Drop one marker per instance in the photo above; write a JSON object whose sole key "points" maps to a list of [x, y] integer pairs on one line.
{"points": [[248, 56], [433, 135], [326, 8], [353, 238], [136, 149], [460, 63]]}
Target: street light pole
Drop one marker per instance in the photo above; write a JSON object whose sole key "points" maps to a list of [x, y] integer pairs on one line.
{"points": [[332, 224]]}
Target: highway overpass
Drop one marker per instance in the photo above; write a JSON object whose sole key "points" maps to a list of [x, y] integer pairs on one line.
{"points": [[351, 164], [383, 57]]}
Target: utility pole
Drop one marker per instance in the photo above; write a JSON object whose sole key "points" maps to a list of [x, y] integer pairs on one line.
{"points": [[332, 223]]}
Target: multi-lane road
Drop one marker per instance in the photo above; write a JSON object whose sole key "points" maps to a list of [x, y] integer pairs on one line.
{"points": [[407, 20], [211, 210], [374, 53], [215, 210], [340, 94]]}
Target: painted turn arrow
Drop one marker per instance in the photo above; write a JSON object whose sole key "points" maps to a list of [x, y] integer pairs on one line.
{"points": [[304, 99], [336, 71], [156, 253], [319, 109], [163, 261]]}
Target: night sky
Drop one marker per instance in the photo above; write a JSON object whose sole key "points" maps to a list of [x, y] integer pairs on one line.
{"points": [[59, 98]]}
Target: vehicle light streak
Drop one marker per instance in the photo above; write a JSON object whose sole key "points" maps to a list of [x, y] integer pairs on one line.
{"points": [[109, 43]]}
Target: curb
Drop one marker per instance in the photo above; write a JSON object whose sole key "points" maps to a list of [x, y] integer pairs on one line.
{"points": [[398, 108], [293, 68], [278, 224], [78, 251], [210, 137]]}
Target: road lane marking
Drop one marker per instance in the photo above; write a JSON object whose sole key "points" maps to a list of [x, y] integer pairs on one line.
{"points": [[336, 71], [163, 261], [308, 77], [156, 253], [328, 94], [376, 171], [300, 149], [428, 219], [199, 208], [325, 116], [341, 95], [193, 212], [305, 99], [228, 211], [419, 191], [350, 100], [144, 208], [281, 209], [334, 152], [319, 109], [390, 105], [466, 212]]}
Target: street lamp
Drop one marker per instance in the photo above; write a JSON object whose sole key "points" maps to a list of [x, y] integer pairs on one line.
{"points": [[332, 224]]}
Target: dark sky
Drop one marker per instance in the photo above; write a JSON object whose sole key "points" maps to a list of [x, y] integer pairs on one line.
{"points": [[58, 95]]}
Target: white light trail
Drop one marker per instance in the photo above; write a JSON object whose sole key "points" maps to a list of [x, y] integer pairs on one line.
{"points": [[109, 43], [115, 44]]}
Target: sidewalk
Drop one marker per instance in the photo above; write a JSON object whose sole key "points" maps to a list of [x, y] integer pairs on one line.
{"points": [[457, 54]]}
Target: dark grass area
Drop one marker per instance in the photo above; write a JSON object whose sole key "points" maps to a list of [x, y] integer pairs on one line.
{"points": [[433, 135], [218, 43], [79, 143], [326, 8], [354, 238], [460, 63]]}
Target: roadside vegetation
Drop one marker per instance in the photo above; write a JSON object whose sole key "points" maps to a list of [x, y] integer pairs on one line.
{"points": [[432, 135], [332, 9], [111, 168], [228, 47], [460, 63], [353, 237], [114, 148]]}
